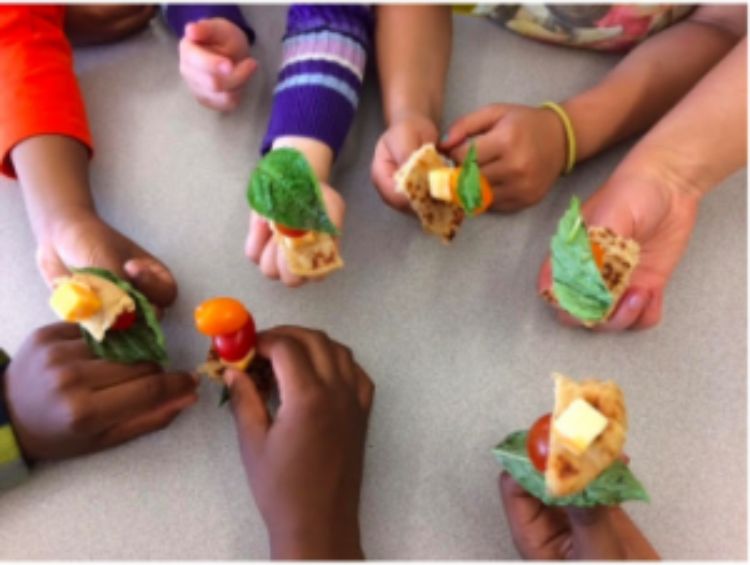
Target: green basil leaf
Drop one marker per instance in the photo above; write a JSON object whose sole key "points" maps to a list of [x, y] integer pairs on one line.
{"points": [[143, 341], [283, 188], [577, 283], [615, 485], [469, 183]]}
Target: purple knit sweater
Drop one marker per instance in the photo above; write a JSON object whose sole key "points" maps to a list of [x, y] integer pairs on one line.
{"points": [[324, 54]]}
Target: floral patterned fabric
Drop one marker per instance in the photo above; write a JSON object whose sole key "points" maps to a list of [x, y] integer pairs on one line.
{"points": [[602, 27]]}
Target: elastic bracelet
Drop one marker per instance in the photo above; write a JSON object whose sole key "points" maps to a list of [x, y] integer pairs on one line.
{"points": [[570, 134], [13, 468]]}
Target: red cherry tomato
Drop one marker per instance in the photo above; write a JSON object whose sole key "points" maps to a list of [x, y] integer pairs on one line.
{"points": [[124, 321], [234, 346], [289, 232], [537, 442]]}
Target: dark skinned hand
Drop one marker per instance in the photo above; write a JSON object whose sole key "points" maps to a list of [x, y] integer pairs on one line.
{"points": [[93, 24], [63, 401], [305, 466]]}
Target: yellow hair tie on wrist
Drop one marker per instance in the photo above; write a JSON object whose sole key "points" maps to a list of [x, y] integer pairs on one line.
{"points": [[570, 134]]}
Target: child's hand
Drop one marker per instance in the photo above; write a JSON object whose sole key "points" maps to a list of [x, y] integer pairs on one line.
{"points": [[661, 220], [85, 240], [63, 402], [521, 151], [215, 62], [94, 24], [555, 533], [305, 466], [394, 148], [262, 249]]}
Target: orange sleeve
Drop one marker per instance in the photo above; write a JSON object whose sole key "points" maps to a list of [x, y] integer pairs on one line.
{"points": [[39, 93]]}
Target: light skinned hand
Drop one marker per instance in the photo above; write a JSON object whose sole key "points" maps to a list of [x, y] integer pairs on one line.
{"points": [[521, 151], [660, 218], [262, 249], [215, 62], [304, 466], [93, 24], [83, 239], [404, 136], [555, 533], [63, 401]]}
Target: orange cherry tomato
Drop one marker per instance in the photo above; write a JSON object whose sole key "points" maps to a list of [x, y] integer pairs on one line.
{"points": [[289, 232], [484, 185], [537, 442], [219, 316], [598, 252]]}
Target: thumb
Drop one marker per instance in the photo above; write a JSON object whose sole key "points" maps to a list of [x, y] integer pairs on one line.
{"points": [[594, 534], [50, 265], [250, 413], [203, 31], [153, 279]]}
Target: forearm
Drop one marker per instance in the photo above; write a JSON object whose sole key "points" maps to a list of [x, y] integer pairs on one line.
{"points": [[413, 46], [53, 173], [324, 55], [646, 83], [317, 153], [703, 139]]}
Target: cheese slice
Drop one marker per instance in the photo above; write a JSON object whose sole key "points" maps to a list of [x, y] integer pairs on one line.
{"points": [[440, 183], [579, 425], [73, 301], [114, 301]]}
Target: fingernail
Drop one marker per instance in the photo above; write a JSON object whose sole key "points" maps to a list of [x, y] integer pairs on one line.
{"points": [[230, 375], [636, 300]]}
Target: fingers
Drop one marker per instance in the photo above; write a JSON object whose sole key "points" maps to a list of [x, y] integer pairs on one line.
{"points": [[101, 373], [50, 265], [250, 413], [129, 399], [287, 277], [629, 310], [143, 424], [208, 31], [320, 349], [153, 279], [383, 168], [258, 236], [291, 364], [56, 332], [472, 124], [488, 153], [594, 534], [269, 264], [520, 507]]}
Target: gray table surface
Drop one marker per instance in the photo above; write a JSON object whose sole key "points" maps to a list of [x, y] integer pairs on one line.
{"points": [[455, 338]]}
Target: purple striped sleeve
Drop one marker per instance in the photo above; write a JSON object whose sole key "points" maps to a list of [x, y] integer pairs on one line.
{"points": [[178, 16], [324, 55]]}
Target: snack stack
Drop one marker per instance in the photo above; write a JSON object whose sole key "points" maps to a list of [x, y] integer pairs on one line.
{"points": [[119, 323], [232, 331]]}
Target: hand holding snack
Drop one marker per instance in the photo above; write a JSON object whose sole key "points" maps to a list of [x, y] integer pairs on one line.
{"points": [[521, 151], [551, 533], [63, 401], [316, 439], [215, 62], [404, 136], [440, 194], [573, 456], [86, 240], [647, 214], [295, 220]]}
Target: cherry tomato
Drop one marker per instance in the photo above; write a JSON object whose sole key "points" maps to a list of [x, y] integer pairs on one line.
{"points": [[219, 316], [124, 321], [598, 252], [234, 346], [537, 442], [289, 232], [484, 185]]}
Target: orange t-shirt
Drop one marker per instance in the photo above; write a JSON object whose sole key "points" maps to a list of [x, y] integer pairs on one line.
{"points": [[39, 92]]}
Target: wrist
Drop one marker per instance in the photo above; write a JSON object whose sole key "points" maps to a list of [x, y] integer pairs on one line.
{"points": [[316, 540], [317, 153], [421, 109]]}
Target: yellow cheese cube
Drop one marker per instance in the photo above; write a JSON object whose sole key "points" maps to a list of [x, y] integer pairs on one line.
{"points": [[440, 183], [73, 301], [579, 425]]}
